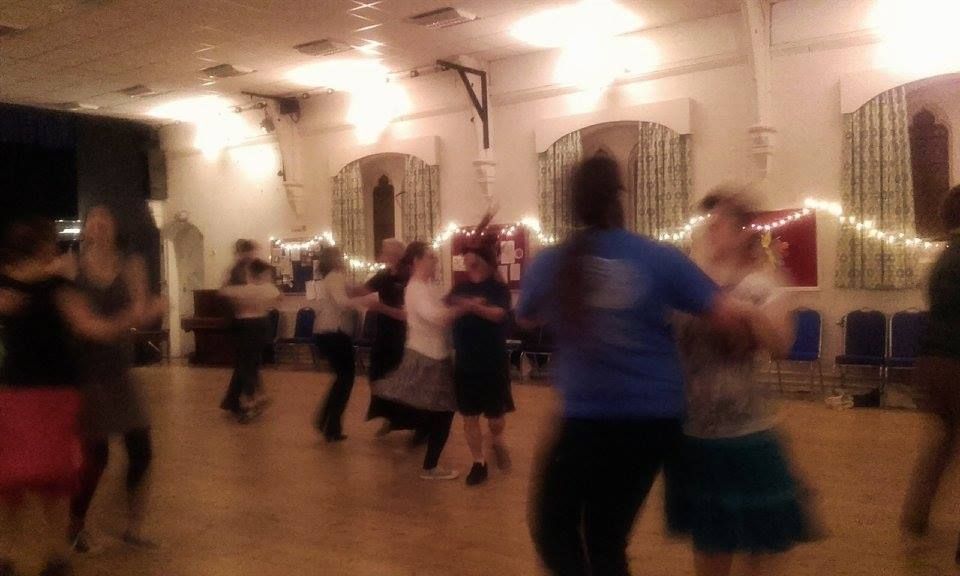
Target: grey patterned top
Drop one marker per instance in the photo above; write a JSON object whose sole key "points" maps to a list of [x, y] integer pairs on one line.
{"points": [[724, 399]]}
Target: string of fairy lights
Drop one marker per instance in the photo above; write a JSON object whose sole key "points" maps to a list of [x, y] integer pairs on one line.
{"points": [[674, 236]]}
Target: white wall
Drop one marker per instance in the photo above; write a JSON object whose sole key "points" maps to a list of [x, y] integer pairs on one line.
{"points": [[815, 44]]}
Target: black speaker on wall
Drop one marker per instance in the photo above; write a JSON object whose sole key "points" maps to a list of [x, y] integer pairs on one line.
{"points": [[157, 168]]}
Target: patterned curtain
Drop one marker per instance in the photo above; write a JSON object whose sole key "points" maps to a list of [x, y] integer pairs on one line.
{"points": [[664, 179], [420, 208], [556, 211], [877, 186], [349, 219]]}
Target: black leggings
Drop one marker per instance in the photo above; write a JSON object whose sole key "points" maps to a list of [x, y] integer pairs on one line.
{"points": [[436, 427], [249, 335], [96, 454], [594, 481], [338, 350]]}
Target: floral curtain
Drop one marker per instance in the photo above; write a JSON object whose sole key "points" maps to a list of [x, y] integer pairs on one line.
{"points": [[420, 207], [877, 186], [663, 181], [349, 219], [556, 163]]}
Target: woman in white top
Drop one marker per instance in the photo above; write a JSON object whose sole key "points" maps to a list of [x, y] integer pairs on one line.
{"points": [[424, 380], [334, 342], [249, 297]]}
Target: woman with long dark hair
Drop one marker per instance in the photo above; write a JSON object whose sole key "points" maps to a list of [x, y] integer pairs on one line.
{"points": [[607, 295], [114, 284]]}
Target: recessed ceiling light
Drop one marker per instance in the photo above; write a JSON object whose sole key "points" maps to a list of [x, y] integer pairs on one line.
{"points": [[225, 71], [138, 91], [76, 106], [324, 47], [442, 18], [586, 19]]}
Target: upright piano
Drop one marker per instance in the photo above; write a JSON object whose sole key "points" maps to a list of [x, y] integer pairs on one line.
{"points": [[211, 327]]}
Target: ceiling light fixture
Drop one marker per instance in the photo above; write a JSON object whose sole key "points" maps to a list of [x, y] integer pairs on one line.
{"points": [[216, 125], [917, 36], [374, 102], [585, 20]]}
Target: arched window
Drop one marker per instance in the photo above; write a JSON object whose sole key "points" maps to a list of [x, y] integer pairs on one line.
{"points": [[930, 159]]}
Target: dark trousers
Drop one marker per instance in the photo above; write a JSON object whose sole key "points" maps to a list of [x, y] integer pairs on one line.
{"points": [[337, 348], [593, 482], [96, 455], [938, 379], [436, 427], [249, 336]]}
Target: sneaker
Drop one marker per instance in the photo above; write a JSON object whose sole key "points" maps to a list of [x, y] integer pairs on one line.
{"points": [[57, 568], [477, 475], [439, 473], [502, 455], [385, 428], [132, 538], [80, 543]]}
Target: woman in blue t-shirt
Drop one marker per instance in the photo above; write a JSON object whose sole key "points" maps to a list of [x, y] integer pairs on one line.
{"points": [[607, 295]]}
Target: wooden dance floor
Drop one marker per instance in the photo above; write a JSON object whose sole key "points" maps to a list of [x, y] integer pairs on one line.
{"points": [[270, 499]]}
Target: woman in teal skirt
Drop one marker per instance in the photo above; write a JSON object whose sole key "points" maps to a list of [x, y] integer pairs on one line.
{"points": [[736, 493]]}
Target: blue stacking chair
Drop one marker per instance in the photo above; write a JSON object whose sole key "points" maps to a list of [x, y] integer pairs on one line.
{"points": [[302, 332], [907, 327], [864, 342], [807, 344]]}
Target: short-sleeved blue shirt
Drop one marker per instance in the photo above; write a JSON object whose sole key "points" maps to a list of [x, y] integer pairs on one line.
{"points": [[625, 364]]}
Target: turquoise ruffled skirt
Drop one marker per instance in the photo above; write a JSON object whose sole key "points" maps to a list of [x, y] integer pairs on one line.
{"points": [[738, 495]]}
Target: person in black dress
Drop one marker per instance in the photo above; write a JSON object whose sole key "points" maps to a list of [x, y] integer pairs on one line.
{"points": [[40, 313], [114, 285]]}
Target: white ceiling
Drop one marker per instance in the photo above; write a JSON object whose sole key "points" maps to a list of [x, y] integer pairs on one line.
{"points": [[86, 50]]}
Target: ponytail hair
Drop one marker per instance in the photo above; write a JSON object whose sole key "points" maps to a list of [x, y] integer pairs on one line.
{"points": [[596, 187]]}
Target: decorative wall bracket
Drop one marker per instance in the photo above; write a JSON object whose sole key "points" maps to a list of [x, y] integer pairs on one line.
{"points": [[480, 103], [295, 196], [762, 144]]}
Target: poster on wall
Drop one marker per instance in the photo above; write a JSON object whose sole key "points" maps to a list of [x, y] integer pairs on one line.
{"points": [[791, 247], [511, 253]]}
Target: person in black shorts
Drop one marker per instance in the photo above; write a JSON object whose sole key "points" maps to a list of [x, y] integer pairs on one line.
{"points": [[481, 369]]}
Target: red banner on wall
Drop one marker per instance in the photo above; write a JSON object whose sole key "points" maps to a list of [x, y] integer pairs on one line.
{"points": [[512, 252], [793, 246]]}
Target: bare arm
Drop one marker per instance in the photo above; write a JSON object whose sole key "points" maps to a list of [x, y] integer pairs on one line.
{"points": [[772, 326], [398, 314], [486, 311], [86, 323], [146, 307]]}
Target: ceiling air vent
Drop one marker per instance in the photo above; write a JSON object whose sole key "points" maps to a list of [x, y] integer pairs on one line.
{"points": [[442, 18], [138, 91], [325, 47], [225, 71], [8, 30], [76, 106]]}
